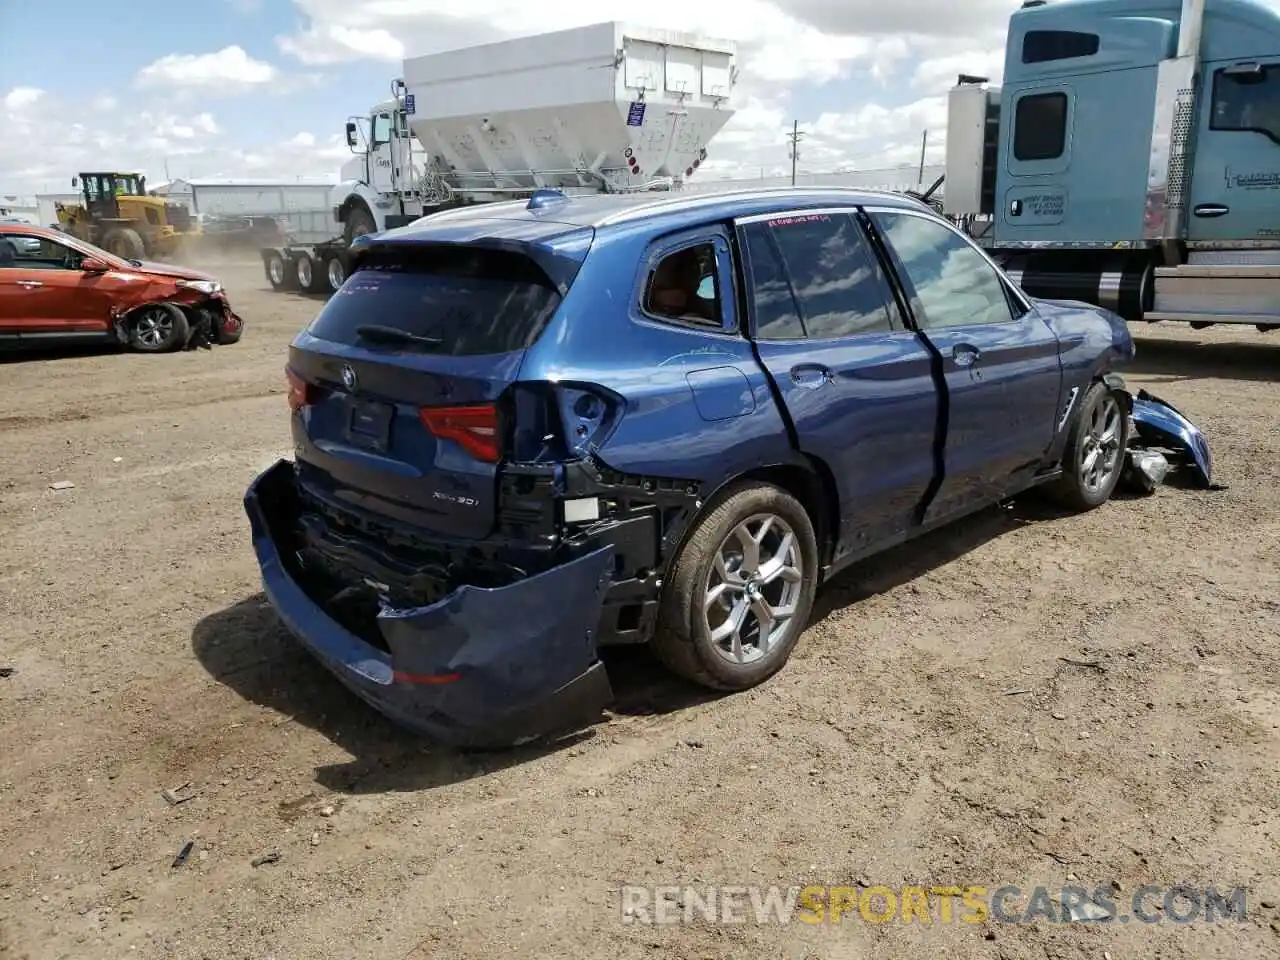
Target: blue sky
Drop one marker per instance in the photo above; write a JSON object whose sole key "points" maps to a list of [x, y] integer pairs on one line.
{"points": [[131, 29], [263, 87]]}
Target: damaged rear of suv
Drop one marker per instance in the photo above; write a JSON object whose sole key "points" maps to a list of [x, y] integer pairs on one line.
{"points": [[443, 540]]}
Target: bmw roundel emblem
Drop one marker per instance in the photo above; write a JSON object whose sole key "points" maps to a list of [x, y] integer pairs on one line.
{"points": [[348, 377]]}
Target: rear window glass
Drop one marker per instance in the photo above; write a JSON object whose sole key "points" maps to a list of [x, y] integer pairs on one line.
{"points": [[473, 301]]}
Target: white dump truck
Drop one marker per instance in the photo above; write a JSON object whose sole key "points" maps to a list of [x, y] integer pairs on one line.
{"points": [[604, 108]]}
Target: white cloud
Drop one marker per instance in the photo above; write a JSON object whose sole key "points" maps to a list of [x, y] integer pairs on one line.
{"points": [[229, 69], [335, 43], [22, 98], [43, 148]]}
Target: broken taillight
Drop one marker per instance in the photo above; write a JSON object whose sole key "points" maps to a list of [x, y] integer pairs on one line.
{"points": [[300, 393], [473, 427]]}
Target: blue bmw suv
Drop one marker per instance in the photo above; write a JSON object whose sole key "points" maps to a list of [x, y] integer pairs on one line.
{"points": [[524, 431]]}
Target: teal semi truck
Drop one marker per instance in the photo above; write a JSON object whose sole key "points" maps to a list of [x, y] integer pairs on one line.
{"points": [[1130, 157]]}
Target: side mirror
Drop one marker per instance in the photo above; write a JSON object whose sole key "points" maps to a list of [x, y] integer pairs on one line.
{"points": [[93, 265], [352, 135]]}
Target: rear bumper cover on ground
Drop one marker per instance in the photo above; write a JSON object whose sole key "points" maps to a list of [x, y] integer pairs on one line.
{"points": [[481, 667]]}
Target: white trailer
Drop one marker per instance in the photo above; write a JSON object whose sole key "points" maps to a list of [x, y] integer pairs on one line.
{"points": [[302, 207], [604, 108]]}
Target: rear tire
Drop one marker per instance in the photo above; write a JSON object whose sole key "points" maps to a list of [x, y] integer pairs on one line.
{"points": [[125, 243], [310, 279], [336, 269], [1094, 456], [158, 328], [721, 588], [279, 270]]}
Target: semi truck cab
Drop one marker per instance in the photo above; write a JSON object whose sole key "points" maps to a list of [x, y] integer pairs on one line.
{"points": [[1131, 157]]}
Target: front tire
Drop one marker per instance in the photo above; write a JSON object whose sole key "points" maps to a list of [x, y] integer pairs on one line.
{"points": [[1094, 456], [158, 328], [741, 591], [359, 223]]}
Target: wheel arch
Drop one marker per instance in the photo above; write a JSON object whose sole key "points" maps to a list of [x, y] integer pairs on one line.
{"points": [[354, 201], [807, 478]]}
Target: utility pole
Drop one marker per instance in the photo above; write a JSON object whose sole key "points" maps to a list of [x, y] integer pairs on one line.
{"points": [[924, 143], [794, 138]]}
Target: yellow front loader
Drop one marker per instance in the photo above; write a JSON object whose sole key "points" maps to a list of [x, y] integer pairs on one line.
{"points": [[116, 214]]}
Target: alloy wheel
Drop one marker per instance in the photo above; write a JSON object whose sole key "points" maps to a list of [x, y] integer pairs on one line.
{"points": [[753, 588], [154, 327], [1100, 453]]}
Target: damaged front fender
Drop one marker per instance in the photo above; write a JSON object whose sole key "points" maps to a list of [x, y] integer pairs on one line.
{"points": [[1160, 424]]}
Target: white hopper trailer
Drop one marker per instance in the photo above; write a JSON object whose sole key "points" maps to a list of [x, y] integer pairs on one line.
{"points": [[604, 108]]}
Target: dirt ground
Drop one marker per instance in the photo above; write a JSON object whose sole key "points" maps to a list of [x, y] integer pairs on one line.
{"points": [[929, 730]]}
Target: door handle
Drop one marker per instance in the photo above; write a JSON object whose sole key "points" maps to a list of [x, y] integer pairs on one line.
{"points": [[29, 284], [810, 375], [1211, 210], [965, 354]]}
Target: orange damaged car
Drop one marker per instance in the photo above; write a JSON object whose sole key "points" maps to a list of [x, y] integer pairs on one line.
{"points": [[55, 289]]}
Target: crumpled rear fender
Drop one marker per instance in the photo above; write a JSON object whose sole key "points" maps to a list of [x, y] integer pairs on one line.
{"points": [[1161, 424]]}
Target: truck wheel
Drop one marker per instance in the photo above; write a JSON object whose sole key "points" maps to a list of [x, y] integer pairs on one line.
{"points": [[359, 223], [1094, 456], [158, 328], [279, 271], [309, 279], [741, 590], [125, 243], [336, 270]]}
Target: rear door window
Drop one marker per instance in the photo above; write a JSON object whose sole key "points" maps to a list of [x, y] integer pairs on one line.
{"points": [[472, 301]]}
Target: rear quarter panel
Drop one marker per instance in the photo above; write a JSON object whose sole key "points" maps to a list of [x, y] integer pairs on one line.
{"points": [[600, 336]]}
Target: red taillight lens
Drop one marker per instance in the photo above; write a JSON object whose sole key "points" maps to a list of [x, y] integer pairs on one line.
{"points": [[299, 390], [473, 427]]}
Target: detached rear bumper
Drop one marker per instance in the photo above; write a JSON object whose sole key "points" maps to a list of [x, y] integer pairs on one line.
{"points": [[481, 667]]}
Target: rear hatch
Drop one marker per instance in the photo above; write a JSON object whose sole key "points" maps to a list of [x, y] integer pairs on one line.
{"points": [[399, 381]]}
